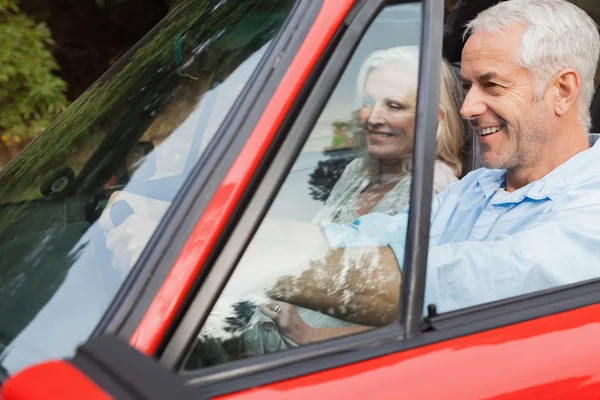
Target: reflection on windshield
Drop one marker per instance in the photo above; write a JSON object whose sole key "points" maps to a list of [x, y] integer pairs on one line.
{"points": [[189, 140], [138, 131]]}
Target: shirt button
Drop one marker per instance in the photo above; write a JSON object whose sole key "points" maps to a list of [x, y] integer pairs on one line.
{"points": [[526, 255]]}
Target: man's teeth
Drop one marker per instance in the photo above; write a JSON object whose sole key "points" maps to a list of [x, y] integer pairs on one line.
{"points": [[489, 131], [381, 135]]}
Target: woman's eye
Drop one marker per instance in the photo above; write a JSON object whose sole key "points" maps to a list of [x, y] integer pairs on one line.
{"points": [[396, 106]]}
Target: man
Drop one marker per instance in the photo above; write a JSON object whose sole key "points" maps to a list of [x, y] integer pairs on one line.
{"points": [[528, 221]]}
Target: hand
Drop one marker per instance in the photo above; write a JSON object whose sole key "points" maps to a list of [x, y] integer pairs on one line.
{"points": [[289, 322]]}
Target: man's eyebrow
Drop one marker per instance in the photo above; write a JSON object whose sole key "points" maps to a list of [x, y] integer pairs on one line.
{"points": [[488, 76], [482, 78]]}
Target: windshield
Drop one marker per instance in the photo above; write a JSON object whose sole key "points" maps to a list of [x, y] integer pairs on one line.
{"points": [[138, 130]]}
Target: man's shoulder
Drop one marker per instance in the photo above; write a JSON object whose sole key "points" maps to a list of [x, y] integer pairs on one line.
{"points": [[578, 180]]}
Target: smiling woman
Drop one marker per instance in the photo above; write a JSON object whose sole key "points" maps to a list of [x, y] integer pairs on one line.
{"points": [[294, 285], [379, 180]]}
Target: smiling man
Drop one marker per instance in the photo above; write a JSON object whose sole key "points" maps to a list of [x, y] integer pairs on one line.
{"points": [[526, 222], [528, 121]]}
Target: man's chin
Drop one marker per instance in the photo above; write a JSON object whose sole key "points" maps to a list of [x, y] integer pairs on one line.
{"points": [[491, 162]]}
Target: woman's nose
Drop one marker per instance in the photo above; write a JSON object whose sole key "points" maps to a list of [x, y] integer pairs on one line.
{"points": [[377, 115]]}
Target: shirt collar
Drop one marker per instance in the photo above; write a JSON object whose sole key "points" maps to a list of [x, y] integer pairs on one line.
{"points": [[491, 181], [550, 186]]}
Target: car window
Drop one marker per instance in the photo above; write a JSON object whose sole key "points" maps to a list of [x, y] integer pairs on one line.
{"points": [[308, 274], [134, 135], [488, 244]]}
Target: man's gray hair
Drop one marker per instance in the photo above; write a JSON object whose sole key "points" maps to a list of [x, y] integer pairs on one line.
{"points": [[557, 35]]}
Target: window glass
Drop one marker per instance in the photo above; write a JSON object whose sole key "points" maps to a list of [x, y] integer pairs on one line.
{"points": [[491, 240], [311, 272], [135, 136]]}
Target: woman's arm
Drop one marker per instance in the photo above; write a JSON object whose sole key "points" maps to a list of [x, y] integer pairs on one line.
{"points": [[358, 285]]}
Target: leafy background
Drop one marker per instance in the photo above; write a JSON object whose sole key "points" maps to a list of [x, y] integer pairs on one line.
{"points": [[52, 51]]}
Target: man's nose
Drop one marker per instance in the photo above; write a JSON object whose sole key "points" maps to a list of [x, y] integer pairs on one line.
{"points": [[473, 105]]}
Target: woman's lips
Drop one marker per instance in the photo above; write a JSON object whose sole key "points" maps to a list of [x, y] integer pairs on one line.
{"points": [[379, 135]]}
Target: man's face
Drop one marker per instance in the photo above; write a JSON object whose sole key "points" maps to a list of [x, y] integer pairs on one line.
{"points": [[499, 101]]}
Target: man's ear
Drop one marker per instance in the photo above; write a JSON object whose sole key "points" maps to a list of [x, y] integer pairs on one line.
{"points": [[567, 88]]}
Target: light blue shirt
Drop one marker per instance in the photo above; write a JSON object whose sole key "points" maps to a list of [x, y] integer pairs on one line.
{"points": [[487, 244]]}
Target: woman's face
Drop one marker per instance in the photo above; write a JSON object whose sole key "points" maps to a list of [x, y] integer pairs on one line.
{"points": [[387, 112]]}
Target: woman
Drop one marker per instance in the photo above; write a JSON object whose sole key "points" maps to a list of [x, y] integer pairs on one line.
{"points": [[379, 180]]}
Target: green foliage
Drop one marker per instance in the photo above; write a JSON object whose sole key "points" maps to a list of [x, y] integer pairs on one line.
{"points": [[116, 108], [30, 95]]}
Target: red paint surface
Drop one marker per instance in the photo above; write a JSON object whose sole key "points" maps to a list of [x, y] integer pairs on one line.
{"points": [[188, 264], [556, 357], [51, 380]]}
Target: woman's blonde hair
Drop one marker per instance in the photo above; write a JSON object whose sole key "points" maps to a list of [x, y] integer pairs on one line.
{"points": [[451, 132]]}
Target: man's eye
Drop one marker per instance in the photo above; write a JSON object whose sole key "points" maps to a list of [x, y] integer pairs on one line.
{"points": [[491, 85], [466, 86]]}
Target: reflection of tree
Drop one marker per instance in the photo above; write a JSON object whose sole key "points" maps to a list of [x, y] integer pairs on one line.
{"points": [[242, 312], [327, 172], [324, 177]]}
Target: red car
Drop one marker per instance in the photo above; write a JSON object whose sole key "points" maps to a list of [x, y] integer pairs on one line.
{"points": [[229, 115]]}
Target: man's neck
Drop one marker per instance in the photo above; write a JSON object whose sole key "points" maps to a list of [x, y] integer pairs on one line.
{"points": [[551, 158]]}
